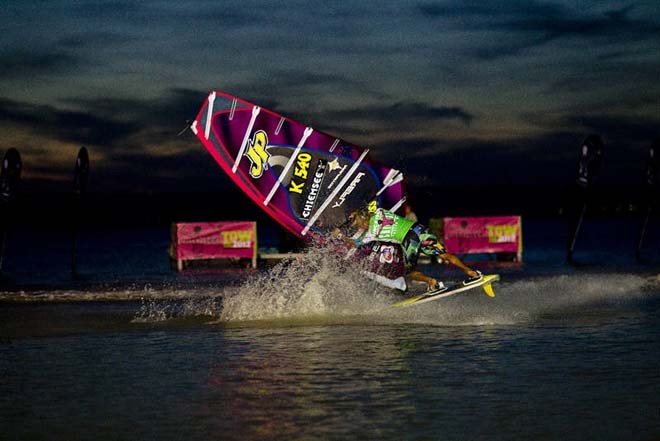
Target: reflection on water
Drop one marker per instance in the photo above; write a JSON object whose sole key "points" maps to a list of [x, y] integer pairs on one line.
{"points": [[184, 377]]}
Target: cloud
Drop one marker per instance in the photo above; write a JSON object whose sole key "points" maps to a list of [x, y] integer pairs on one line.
{"points": [[190, 170], [65, 125], [22, 64], [393, 121], [105, 10], [105, 121], [229, 18], [172, 109], [133, 144], [93, 40], [623, 130], [274, 89], [614, 24], [125, 138], [523, 25], [546, 159], [616, 78], [487, 9]]}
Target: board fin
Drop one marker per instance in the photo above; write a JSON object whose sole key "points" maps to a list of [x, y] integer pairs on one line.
{"points": [[488, 289]]}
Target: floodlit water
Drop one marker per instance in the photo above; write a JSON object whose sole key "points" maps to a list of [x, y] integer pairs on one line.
{"points": [[309, 350]]}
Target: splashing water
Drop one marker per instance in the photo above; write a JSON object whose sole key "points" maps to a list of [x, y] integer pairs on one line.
{"points": [[155, 310], [530, 299], [319, 283]]}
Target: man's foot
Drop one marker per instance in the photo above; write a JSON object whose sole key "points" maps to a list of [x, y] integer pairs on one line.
{"points": [[471, 280], [440, 287]]}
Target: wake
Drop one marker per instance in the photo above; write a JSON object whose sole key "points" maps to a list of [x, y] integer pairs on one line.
{"points": [[321, 286]]}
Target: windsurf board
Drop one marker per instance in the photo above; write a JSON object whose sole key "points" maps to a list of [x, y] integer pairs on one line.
{"points": [[485, 283]]}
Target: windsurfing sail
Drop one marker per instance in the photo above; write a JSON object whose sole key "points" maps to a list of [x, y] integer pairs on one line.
{"points": [[306, 180]]}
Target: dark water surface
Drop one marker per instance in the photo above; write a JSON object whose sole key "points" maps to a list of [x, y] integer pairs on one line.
{"points": [[309, 351]]}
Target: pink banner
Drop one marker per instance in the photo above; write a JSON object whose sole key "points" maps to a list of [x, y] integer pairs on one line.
{"points": [[216, 240], [471, 235]]}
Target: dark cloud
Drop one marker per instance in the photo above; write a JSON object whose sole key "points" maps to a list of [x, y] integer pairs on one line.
{"points": [[65, 125], [403, 113], [276, 86], [120, 131], [312, 98], [551, 20], [612, 24], [548, 159], [271, 89], [488, 9], [107, 122], [162, 118], [533, 24], [190, 170], [609, 74], [227, 18], [159, 119], [94, 40], [511, 48], [22, 64], [106, 9], [624, 130], [408, 81], [360, 122]]}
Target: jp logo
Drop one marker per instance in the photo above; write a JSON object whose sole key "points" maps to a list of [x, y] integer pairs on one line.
{"points": [[257, 153]]}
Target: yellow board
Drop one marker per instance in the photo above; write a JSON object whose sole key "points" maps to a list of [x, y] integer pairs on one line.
{"points": [[486, 283]]}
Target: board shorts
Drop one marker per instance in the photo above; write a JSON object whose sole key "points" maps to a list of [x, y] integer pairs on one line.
{"points": [[417, 240]]}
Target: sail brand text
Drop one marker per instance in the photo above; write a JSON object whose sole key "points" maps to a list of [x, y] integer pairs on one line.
{"points": [[348, 190], [300, 171], [313, 194], [334, 165], [257, 153]]}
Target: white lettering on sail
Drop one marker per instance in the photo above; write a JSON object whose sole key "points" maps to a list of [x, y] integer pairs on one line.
{"points": [[348, 190], [314, 190]]}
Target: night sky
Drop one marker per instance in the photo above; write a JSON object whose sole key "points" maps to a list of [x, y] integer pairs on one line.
{"points": [[496, 93]]}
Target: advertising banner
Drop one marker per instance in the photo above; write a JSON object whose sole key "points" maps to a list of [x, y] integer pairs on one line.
{"points": [[493, 234], [215, 240]]}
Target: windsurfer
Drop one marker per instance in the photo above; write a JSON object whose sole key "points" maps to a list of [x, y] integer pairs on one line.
{"points": [[414, 238]]}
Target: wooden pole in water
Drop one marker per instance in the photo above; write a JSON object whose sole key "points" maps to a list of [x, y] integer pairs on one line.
{"points": [[80, 178], [589, 161], [651, 191], [10, 176]]}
